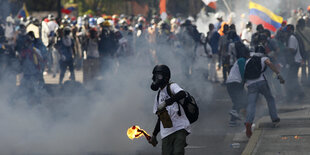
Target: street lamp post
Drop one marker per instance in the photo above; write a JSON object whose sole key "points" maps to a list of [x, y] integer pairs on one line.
{"points": [[59, 9]]}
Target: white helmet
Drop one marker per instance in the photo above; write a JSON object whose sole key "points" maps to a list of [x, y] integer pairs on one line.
{"points": [[173, 21], [100, 20], [141, 19]]}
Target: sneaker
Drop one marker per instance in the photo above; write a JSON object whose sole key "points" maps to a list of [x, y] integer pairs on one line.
{"points": [[276, 122], [234, 114], [248, 127]]}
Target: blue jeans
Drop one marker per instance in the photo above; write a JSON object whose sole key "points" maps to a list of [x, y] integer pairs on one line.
{"points": [[254, 89]]}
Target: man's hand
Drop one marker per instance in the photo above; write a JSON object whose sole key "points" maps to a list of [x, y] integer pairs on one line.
{"points": [[161, 106], [282, 81], [153, 141]]}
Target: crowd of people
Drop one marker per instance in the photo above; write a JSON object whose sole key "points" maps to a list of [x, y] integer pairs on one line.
{"points": [[51, 45]]}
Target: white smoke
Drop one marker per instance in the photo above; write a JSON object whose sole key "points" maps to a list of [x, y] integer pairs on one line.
{"points": [[95, 121]]}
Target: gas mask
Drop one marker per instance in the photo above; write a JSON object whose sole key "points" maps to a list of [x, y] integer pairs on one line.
{"points": [[158, 81], [161, 76]]}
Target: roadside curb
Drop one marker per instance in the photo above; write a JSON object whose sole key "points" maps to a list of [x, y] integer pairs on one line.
{"points": [[264, 122], [252, 141]]}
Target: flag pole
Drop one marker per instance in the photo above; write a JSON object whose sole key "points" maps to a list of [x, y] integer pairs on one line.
{"points": [[59, 9], [226, 4]]}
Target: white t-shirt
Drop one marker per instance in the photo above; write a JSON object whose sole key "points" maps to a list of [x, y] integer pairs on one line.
{"points": [[246, 35], [178, 122], [52, 26], [9, 31], [293, 43], [261, 78], [44, 33], [234, 74]]}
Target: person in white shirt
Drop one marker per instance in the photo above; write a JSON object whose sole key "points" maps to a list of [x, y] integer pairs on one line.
{"points": [[172, 122], [52, 26], [246, 35], [9, 30], [257, 84], [235, 89], [44, 32], [293, 87]]}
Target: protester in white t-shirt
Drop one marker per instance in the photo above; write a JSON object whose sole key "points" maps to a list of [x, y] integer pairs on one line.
{"points": [[293, 87], [235, 89], [52, 26], [258, 86], [172, 122], [44, 32], [9, 30], [246, 35]]}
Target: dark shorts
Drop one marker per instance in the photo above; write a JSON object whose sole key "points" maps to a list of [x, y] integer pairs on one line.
{"points": [[175, 143]]}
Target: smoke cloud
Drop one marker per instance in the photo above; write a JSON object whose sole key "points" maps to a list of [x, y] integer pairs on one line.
{"points": [[96, 121]]}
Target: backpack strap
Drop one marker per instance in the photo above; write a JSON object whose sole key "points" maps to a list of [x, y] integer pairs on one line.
{"points": [[263, 69], [169, 89], [158, 96], [241, 65]]}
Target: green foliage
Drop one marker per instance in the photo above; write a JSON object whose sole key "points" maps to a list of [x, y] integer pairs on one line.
{"points": [[45, 5], [89, 12]]}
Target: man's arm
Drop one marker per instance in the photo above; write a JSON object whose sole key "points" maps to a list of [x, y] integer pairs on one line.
{"points": [[275, 70], [180, 95], [153, 139], [272, 66], [174, 98], [157, 128]]}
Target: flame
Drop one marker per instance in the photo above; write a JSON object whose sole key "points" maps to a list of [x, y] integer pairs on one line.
{"points": [[297, 137], [136, 132], [284, 138]]}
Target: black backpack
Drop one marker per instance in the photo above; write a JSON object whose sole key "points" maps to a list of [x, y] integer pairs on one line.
{"points": [[189, 105], [253, 68]]}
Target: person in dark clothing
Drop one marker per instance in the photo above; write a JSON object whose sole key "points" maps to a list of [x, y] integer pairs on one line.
{"points": [[65, 46], [37, 43], [255, 37], [107, 40], [223, 52], [213, 38]]}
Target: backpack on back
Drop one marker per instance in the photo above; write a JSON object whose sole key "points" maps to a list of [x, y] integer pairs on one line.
{"points": [[253, 68], [189, 105]]}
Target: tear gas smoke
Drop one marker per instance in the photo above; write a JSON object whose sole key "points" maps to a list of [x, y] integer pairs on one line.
{"points": [[96, 121]]}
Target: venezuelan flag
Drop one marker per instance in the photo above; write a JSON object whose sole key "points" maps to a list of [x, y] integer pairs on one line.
{"points": [[23, 12], [68, 8], [262, 15]]}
